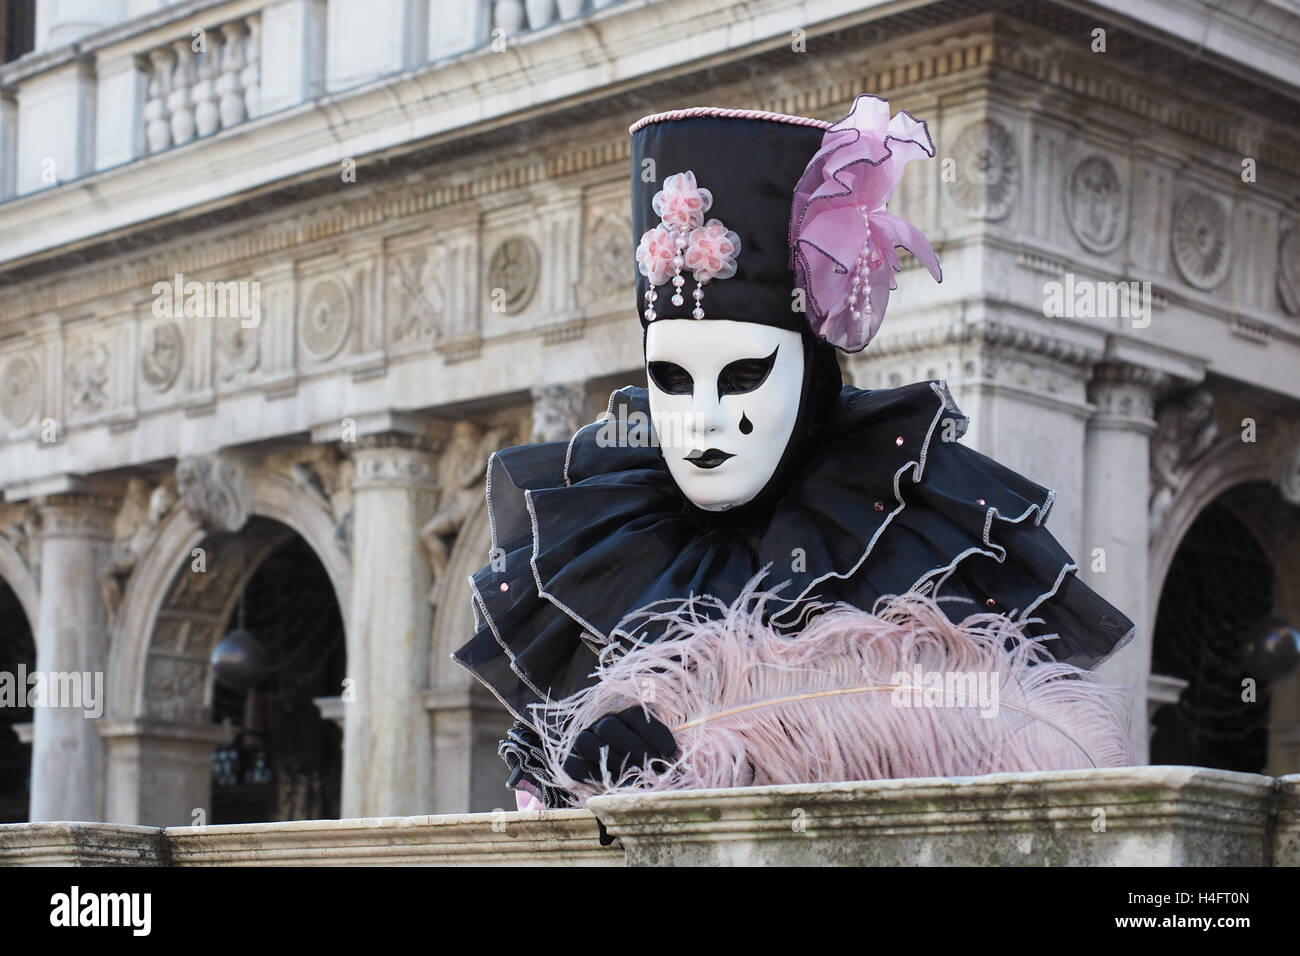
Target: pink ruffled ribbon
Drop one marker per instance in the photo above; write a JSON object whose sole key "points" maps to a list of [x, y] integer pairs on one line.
{"points": [[856, 170]]}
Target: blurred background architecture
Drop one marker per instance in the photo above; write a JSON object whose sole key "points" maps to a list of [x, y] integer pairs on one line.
{"points": [[251, 504]]}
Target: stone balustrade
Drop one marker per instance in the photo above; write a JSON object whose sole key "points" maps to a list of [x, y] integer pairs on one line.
{"points": [[201, 84], [104, 93], [1143, 816]]}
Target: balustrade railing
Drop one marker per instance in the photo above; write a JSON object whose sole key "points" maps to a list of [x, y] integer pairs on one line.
{"points": [[203, 83], [102, 101]]}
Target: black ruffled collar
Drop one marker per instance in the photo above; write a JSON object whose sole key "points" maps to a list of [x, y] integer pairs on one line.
{"points": [[586, 532]]}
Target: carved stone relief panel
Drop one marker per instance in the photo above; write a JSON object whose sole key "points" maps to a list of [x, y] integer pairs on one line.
{"points": [[608, 268], [162, 353], [238, 348], [416, 297], [86, 378], [513, 272], [1096, 203]]}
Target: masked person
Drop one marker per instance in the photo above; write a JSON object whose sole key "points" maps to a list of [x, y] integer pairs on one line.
{"points": [[763, 246]]}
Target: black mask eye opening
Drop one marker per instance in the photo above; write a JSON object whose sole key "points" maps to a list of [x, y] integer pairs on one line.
{"points": [[745, 375], [671, 378]]}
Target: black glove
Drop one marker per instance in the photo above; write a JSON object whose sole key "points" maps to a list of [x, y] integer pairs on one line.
{"points": [[633, 740]]}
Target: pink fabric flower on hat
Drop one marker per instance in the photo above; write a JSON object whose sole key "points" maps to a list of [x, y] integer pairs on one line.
{"points": [[711, 252], [683, 240], [654, 255], [841, 238], [681, 204]]}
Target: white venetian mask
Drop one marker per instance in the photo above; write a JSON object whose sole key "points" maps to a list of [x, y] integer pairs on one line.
{"points": [[724, 396]]}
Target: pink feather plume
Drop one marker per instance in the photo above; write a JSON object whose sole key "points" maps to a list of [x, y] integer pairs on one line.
{"points": [[901, 692]]}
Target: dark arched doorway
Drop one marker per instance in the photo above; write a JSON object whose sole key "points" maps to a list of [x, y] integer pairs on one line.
{"points": [[17, 659], [285, 762], [1220, 586]]}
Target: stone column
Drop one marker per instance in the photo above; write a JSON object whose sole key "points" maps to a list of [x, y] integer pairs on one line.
{"points": [[388, 753], [71, 638], [1114, 556]]}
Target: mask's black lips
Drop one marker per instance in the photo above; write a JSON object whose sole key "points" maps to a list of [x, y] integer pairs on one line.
{"points": [[709, 458]]}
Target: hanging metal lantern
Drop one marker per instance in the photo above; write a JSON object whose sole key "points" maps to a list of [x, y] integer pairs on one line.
{"points": [[1272, 650], [239, 661]]}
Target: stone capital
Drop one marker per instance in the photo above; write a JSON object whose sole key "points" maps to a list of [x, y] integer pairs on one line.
{"points": [[394, 460], [1125, 395], [77, 515]]}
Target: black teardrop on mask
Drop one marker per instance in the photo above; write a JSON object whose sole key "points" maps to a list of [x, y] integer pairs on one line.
{"points": [[746, 426]]}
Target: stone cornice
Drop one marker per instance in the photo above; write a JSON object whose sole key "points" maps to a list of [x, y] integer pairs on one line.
{"points": [[989, 333]]}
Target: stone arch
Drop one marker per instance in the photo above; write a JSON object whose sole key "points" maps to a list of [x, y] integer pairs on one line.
{"points": [[15, 573], [1227, 471], [158, 716], [1229, 465], [272, 496]]}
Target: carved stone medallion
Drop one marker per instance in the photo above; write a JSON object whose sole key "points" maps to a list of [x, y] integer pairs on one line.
{"points": [[1288, 271], [161, 357], [1200, 239], [1095, 203], [19, 390], [988, 171], [513, 269], [326, 318]]}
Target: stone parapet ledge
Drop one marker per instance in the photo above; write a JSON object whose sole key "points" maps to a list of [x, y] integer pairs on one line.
{"points": [[1136, 816], [548, 838], [81, 844]]}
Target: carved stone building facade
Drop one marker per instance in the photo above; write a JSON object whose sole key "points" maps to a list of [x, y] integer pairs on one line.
{"points": [[411, 254]]}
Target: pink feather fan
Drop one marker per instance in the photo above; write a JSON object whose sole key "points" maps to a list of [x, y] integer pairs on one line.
{"points": [[901, 692]]}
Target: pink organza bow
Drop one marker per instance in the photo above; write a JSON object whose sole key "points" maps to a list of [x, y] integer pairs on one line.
{"points": [[839, 227]]}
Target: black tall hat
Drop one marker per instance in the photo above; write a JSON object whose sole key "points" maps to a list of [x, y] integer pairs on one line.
{"points": [[750, 162]]}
